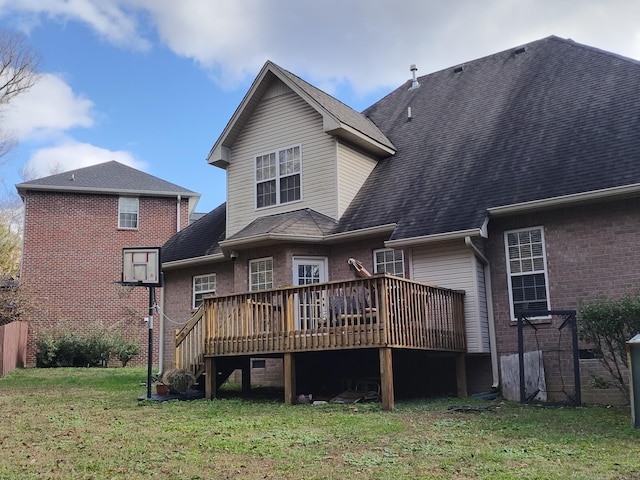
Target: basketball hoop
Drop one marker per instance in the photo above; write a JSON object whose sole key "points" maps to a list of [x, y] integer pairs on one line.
{"points": [[124, 289]]}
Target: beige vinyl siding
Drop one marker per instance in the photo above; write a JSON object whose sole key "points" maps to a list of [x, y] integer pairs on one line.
{"points": [[453, 265], [353, 169], [282, 120]]}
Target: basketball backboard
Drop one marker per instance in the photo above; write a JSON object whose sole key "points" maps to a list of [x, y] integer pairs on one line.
{"points": [[141, 266]]}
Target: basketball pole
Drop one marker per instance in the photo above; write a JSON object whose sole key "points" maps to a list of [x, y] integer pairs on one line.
{"points": [[150, 355]]}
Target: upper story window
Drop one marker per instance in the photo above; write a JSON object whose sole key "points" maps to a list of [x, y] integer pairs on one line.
{"points": [[278, 177], [527, 270], [128, 208], [389, 260], [203, 284], [261, 274]]}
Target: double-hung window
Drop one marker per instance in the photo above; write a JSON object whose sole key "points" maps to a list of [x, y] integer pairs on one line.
{"points": [[128, 208], [278, 177], [203, 284], [389, 260], [260, 274], [527, 270]]}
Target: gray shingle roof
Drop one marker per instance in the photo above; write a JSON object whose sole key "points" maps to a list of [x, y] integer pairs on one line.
{"points": [[108, 177], [299, 223], [552, 119], [199, 239]]}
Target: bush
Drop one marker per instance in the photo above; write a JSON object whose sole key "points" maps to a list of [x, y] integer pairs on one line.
{"points": [[125, 350], [607, 324], [68, 349]]}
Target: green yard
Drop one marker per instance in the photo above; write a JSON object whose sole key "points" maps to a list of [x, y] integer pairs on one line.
{"points": [[88, 424]]}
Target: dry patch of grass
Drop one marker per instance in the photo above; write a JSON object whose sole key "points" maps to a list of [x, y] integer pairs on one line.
{"points": [[88, 424]]}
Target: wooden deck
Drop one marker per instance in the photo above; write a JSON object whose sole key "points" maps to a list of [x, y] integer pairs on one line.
{"points": [[382, 311]]}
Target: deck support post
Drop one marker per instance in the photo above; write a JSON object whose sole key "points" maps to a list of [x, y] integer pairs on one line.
{"points": [[289, 379], [246, 375], [461, 375], [210, 378], [386, 379]]}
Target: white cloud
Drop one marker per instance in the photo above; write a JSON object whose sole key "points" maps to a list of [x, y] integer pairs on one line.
{"points": [[50, 107], [70, 155], [110, 19], [366, 44]]}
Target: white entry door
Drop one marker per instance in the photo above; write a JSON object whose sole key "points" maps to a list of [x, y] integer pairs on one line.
{"points": [[310, 305]]}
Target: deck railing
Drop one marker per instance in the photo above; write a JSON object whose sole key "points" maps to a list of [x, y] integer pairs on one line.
{"points": [[380, 311]]}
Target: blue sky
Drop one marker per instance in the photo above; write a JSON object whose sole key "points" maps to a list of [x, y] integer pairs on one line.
{"points": [[152, 83]]}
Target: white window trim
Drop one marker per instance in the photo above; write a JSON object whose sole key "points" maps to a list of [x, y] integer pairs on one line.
{"points": [[375, 263], [509, 274], [256, 260], [137, 212], [203, 292], [277, 178]]}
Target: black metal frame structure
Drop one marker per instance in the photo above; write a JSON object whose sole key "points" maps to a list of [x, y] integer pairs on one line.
{"points": [[569, 320]]}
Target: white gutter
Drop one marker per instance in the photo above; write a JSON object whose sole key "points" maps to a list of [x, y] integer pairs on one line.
{"points": [[332, 238], [490, 315], [191, 262], [576, 198], [438, 237], [267, 237], [364, 232]]}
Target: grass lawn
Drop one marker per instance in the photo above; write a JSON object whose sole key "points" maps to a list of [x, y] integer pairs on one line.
{"points": [[88, 424]]}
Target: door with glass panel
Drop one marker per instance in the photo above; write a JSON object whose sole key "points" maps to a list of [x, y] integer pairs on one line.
{"points": [[310, 304]]}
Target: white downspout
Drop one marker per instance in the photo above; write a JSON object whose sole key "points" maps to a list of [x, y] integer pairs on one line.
{"points": [[490, 316]]}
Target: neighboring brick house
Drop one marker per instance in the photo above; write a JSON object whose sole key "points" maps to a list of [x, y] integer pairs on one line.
{"points": [[536, 146], [75, 226]]}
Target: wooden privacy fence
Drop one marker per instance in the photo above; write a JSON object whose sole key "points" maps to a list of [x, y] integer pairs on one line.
{"points": [[380, 311], [13, 346]]}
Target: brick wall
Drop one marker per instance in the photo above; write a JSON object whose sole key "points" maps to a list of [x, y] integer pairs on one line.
{"points": [[73, 252], [590, 250]]}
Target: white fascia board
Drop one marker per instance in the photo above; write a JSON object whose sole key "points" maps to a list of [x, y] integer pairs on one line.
{"points": [[567, 200], [364, 232], [192, 262], [111, 191]]}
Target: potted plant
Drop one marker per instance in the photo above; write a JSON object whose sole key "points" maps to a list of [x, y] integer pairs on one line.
{"points": [[162, 388], [178, 380]]}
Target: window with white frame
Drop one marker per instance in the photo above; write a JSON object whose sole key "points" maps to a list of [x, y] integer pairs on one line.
{"points": [[261, 274], [389, 260], [278, 177], [527, 270], [203, 284], [128, 208]]}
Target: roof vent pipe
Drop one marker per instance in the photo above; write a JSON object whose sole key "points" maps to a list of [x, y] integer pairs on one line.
{"points": [[414, 83]]}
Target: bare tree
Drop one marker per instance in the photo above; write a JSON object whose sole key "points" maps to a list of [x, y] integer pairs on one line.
{"points": [[19, 65]]}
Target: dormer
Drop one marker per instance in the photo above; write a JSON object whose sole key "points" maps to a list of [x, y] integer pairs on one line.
{"points": [[290, 146]]}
